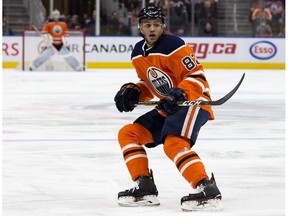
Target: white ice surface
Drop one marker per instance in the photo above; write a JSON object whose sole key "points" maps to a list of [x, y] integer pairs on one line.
{"points": [[61, 156]]}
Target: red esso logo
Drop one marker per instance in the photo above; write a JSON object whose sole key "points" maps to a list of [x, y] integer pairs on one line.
{"points": [[263, 50]]}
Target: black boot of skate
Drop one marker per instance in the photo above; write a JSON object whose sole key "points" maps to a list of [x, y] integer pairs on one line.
{"points": [[144, 194], [208, 198]]}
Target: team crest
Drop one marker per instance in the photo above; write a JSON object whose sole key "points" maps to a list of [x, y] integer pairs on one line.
{"points": [[57, 29], [159, 80]]}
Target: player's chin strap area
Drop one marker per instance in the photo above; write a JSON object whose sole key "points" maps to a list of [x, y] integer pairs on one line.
{"points": [[199, 103]]}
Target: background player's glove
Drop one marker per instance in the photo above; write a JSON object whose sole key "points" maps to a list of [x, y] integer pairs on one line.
{"points": [[47, 40], [127, 96], [169, 104], [64, 41]]}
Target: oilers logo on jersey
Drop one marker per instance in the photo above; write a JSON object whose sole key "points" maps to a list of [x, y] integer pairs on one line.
{"points": [[57, 29], [160, 81]]}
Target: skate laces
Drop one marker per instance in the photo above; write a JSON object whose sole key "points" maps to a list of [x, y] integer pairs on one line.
{"points": [[139, 180], [205, 183], [136, 187]]}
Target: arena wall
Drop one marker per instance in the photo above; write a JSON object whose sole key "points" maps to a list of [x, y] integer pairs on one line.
{"points": [[212, 52]]}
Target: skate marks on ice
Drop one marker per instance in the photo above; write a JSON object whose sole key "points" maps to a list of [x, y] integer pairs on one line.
{"points": [[61, 157]]}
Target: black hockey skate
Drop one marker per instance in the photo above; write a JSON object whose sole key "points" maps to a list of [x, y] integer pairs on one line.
{"points": [[208, 198], [144, 194]]}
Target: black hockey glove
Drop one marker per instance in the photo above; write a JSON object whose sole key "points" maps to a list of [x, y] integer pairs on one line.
{"points": [[126, 97], [169, 104]]}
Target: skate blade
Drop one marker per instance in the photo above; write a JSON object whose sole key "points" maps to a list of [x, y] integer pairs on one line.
{"points": [[130, 201], [209, 205]]}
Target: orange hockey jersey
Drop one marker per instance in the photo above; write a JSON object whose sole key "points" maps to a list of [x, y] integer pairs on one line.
{"points": [[57, 30], [170, 63]]}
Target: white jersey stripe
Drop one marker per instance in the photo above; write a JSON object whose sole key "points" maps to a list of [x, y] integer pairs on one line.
{"points": [[193, 121], [188, 164], [132, 145], [180, 154], [196, 81], [202, 99], [135, 156], [186, 120], [197, 73]]}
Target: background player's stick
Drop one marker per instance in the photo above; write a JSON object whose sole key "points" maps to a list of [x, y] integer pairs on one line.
{"points": [[199, 103], [40, 34], [36, 29]]}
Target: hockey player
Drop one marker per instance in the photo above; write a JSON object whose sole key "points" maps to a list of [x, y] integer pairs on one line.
{"points": [[168, 69], [59, 32]]}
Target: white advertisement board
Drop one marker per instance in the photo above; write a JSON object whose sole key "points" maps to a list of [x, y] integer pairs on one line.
{"points": [[216, 52]]}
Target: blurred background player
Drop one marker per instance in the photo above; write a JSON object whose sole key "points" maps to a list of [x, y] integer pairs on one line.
{"points": [[59, 32], [168, 69]]}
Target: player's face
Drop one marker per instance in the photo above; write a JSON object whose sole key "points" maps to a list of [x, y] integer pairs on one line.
{"points": [[151, 29]]}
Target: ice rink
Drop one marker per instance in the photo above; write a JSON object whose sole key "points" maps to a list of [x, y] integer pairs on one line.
{"points": [[61, 156]]}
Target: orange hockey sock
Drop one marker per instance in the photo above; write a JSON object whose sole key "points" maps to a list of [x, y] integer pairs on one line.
{"points": [[131, 138], [187, 161]]}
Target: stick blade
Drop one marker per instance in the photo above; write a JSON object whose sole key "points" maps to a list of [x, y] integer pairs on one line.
{"points": [[229, 95]]}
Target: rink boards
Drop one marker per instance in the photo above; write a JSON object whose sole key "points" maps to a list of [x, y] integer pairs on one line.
{"points": [[216, 52]]}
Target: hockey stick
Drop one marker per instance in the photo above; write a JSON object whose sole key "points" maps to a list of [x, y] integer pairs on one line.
{"points": [[33, 27], [199, 103], [40, 34]]}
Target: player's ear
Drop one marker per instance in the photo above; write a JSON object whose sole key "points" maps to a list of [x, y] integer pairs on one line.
{"points": [[163, 28], [139, 29]]}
